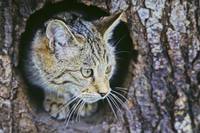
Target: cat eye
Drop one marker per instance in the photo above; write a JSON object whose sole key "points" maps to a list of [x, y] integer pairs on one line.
{"points": [[86, 72], [108, 69]]}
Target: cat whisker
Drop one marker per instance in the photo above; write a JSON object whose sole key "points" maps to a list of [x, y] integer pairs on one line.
{"points": [[76, 111], [121, 102], [118, 99], [119, 95], [72, 112], [79, 110], [110, 104], [121, 90], [125, 90], [115, 103], [69, 112], [63, 106], [118, 41]]}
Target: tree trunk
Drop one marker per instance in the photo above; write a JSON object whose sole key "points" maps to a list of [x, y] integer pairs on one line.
{"points": [[164, 91]]}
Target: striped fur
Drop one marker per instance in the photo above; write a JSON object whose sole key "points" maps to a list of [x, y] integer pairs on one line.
{"points": [[59, 53]]}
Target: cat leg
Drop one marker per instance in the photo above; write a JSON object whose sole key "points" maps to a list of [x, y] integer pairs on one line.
{"points": [[55, 105]]}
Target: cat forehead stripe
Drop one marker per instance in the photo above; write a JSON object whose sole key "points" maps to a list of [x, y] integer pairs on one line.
{"points": [[83, 29]]}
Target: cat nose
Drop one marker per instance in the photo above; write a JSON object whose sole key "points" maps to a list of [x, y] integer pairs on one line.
{"points": [[102, 94]]}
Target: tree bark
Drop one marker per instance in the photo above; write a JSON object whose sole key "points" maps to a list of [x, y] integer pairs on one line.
{"points": [[164, 91]]}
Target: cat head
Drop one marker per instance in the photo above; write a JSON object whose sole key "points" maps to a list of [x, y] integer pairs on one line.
{"points": [[86, 48]]}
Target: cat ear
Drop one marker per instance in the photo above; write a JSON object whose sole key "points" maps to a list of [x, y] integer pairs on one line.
{"points": [[107, 25], [59, 33]]}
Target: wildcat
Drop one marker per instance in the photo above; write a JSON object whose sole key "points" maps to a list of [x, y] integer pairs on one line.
{"points": [[72, 59]]}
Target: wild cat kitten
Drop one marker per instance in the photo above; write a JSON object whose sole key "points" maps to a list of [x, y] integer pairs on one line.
{"points": [[72, 59]]}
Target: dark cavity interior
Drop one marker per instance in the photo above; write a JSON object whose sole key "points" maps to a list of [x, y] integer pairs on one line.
{"points": [[121, 40]]}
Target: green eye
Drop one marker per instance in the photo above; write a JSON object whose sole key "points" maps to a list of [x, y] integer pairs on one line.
{"points": [[108, 69], [86, 72]]}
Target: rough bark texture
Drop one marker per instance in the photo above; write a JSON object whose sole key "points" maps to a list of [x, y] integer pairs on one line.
{"points": [[164, 91]]}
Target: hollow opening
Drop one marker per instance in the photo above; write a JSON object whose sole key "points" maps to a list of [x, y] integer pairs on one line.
{"points": [[121, 40]]}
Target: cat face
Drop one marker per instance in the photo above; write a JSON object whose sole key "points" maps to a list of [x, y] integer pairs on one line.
{"points": [[97, 72], [82, 61]]}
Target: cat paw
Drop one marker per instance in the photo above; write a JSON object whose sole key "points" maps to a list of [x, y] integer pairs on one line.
{"points": [[89, 109], [55, 107]]}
